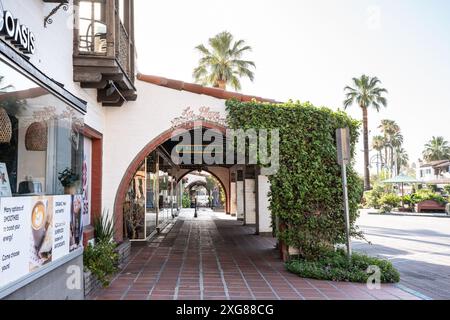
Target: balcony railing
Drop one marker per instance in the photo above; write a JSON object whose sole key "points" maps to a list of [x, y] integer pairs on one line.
{"points": [[104, 51]]}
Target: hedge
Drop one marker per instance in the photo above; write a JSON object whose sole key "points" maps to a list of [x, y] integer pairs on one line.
{"points": [[306, 192]]}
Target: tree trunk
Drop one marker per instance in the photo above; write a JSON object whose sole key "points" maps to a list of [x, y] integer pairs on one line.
{"points": [[222, 84], [366, 149]]}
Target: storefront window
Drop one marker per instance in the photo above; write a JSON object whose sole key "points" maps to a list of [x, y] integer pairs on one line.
{"points": [[142, 216], [151, 201], [134, 207], [41, 156], [41, 142]]}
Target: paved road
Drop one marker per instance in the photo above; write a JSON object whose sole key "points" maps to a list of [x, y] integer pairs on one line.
{"points": [[418, 246]]}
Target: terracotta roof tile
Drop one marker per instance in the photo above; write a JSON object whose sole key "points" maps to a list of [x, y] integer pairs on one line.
{"points": [[198, 89]]}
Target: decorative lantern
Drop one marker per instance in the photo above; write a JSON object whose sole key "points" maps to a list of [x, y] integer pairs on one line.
{"points": [[5, 127], [36, 137]]}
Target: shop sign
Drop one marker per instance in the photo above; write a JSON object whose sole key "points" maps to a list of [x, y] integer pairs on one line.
{"points": [[36, 231], [20, 35]]}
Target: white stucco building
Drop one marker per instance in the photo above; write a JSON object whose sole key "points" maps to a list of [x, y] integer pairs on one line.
{"points": [[73, 102]]}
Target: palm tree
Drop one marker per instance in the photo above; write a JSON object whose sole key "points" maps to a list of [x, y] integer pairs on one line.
{"points": [[437, 149], [222, 63], [378, 145], [392, 139], [402, 159], [366, 93]]}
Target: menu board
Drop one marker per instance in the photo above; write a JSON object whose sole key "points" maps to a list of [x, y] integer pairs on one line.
{"points": [[35, 231]]}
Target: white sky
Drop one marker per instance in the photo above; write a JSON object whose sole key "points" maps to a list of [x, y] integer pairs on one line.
{"points": [[310, 50]]}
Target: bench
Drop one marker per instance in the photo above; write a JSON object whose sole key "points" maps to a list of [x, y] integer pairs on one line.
{"points": [[430, 206]]}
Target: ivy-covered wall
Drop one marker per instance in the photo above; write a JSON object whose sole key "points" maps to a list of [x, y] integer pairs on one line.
{"points": [[306, 192]]}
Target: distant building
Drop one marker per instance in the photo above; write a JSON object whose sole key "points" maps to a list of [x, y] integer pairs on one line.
{"points": [[434, 172]]}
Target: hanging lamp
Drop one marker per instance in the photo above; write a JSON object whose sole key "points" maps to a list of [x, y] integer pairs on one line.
{"points": [[36, 137], [5, 127]]}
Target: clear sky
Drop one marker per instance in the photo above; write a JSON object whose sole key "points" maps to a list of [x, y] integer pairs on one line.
{"points": [[309, 50]]}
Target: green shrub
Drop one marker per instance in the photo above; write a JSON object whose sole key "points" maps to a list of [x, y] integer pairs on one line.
{"points": [[424, 194], [101, 260], [447, 189], [103, 228], [372, 197], [186, 201], [306, 191], [334, 266], [389, 201]]}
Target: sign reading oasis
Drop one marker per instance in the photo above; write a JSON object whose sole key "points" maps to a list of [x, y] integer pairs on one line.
{"points": [[20, 35], [35, 231]]}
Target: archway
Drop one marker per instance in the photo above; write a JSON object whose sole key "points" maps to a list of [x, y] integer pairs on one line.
{"points": [[224, 183], [141, 156]]}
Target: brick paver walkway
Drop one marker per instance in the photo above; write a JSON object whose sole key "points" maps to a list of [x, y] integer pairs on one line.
{"points": [[214, 257]]}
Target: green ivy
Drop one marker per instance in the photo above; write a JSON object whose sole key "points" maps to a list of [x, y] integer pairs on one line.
{"points": [[306, 192]]}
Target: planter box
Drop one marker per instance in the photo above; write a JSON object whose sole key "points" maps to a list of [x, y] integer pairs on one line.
{"points": [[124, 252], [430, 206], [90, 283]]}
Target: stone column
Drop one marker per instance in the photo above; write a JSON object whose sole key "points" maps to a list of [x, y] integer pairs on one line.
{"points": [[240, 204], [250, 201], [264, 220], [233, 198]]}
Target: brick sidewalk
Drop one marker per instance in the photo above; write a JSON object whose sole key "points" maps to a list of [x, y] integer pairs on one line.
{"points": [[213, 257]]}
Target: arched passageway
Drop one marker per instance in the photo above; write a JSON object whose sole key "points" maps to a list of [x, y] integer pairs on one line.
{"points": [[150, 193]]}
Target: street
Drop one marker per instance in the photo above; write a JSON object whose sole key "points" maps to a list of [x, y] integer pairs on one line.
{"points": [[418, 246]]}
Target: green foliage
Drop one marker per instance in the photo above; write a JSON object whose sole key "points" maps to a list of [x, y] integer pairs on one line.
{"points": [[306, 192], [68, 177], [425, 194], [103, 228], [389, 201], [335, 266], [221, 63], [372, 197], [447, 189], [186, 201], [101, 260]]}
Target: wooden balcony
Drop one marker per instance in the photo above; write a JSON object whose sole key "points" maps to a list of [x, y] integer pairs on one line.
{"points": [[104, 53]]}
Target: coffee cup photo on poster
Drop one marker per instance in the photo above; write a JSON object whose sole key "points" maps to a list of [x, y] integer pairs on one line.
{"points": [[41, 232], [76, 228]]}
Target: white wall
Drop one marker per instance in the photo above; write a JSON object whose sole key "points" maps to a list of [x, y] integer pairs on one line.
{"points": [[240, 199], [233, 200], [54, 50], [130, 128]]}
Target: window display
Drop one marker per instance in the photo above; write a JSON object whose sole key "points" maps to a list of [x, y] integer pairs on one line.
{"points": [[152, 209], [41, 142]]}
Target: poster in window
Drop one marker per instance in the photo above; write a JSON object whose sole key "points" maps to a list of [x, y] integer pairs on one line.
{"points": [[5, 187], [15, 228], [41, 235], [76, 222], [61, 226]]}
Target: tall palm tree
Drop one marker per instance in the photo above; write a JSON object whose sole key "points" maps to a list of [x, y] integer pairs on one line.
{"points": [[378, 145], [437, 149], [222, 63], [392, 139], [402, 159], [366, 92]]}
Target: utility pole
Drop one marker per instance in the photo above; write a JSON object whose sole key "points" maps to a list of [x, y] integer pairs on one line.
{"points": [[343, 150]]}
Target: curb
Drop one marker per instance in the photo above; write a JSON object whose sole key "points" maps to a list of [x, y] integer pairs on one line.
{"points": [[413, 292], [410, 215]]}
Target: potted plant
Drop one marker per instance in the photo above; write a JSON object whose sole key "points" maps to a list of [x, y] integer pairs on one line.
{"points": [[69, 180]]}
